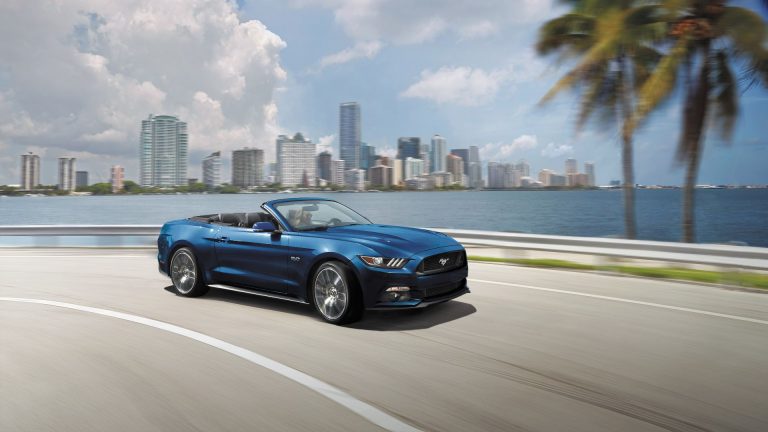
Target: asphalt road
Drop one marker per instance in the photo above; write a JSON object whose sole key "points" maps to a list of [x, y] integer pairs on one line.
{"points": [[527, 350]]}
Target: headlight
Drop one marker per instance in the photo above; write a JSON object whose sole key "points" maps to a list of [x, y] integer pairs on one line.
{"points": [[393, 263]]}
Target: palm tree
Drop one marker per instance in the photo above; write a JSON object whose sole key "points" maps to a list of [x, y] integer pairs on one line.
{"points": [[612, 42], [707, 37]]}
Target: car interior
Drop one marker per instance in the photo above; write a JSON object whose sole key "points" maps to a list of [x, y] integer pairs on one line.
{"points": [[243, 220]]}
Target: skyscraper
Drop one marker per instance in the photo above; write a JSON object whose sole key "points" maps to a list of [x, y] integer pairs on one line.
{"points": [[475, 168], [455, 165], [524, 168], [81, 179], [464, 155], [412, 168], [163, 151], [30, 171], [296, 160], [337, 173], [408, 147], [439, 152], [349, 134], [247, 167], [324, 166], [212, 170], [571, 166], [66, 174], [589, 170], [116, 177], [367, 156], [426, 156]]}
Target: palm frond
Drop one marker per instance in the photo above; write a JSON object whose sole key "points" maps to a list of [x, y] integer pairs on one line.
{"points": [[746, 30], [725, 97], [571, 34]]}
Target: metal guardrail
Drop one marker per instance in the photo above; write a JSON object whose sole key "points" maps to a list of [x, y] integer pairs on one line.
{"points": [[746, 257]]}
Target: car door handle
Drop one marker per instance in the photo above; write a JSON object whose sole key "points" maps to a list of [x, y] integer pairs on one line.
{"points": [[223, 239]]}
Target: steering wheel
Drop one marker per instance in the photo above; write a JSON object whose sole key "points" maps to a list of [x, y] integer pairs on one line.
{"points": [[334, 222]]}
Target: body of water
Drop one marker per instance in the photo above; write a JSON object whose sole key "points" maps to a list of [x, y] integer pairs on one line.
{"points": [[723, 215]]}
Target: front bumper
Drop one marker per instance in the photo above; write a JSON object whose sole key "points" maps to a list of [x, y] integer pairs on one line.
{"points": [[425, 289]]}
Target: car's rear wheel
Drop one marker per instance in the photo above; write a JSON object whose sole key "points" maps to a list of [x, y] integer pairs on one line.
{"points": [[335, 294], [185, 274]]}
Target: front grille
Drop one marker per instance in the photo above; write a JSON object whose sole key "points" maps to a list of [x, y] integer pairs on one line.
{"points": [[442, 262]]}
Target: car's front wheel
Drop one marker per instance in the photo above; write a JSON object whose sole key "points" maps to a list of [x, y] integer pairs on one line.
{"points": [[335, 294], [185, 274]]}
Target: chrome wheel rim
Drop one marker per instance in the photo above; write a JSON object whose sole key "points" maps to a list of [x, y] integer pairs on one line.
{"points": [[331, 293], [183, 272]]}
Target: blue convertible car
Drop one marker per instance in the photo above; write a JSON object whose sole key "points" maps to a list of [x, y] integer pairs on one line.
{"points": [[313, 250]]}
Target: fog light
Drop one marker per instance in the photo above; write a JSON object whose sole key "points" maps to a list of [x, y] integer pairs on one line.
{"points": [[396, 294]]}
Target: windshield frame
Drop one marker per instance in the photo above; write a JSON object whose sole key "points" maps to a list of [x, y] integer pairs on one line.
{"points": [[285, 220]]}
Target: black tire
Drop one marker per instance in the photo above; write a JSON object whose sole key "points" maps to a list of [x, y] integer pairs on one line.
{"points": [[186, 275], [332, 282]]}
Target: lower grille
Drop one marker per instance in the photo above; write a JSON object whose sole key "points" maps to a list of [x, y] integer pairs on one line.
{"points": [[443, 289]]}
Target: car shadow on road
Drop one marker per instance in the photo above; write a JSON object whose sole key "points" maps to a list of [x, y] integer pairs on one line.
{"points": [[396, 320], [414, 319], [254, 301]]}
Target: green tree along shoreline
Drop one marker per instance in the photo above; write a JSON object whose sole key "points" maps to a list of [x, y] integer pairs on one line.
{"points": [[631, 56]]}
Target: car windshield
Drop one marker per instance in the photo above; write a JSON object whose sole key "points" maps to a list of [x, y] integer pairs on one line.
{"points": [[318, 215]]}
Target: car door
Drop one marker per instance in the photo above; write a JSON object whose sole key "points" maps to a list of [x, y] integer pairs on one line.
{"points": [[252, 259]]}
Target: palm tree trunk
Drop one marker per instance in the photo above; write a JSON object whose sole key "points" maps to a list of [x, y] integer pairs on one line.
{"points": [[697, 106], [627, 162]]}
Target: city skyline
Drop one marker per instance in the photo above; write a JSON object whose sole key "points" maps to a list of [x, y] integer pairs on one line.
{"points": [[474, 87]]}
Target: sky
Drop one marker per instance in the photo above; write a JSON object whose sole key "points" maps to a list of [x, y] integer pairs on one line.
{"points": [[77, 78]]}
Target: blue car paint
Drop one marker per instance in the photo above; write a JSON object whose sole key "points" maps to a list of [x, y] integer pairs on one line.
{"points": [[287, 259]]}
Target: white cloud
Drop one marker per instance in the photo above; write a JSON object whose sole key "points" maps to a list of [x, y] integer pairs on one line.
{"points": [[460, 85], [107, 65], [408, 21], [500, 151], [325, 143], [552, 150], [360, 50]]}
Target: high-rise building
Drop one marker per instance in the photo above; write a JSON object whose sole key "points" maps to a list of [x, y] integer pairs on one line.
{"points": [[589, 169], [116, 178], [324, 170], [571, 166], [163, 151], [475, 168], [337, 173], [81, 179], [380, 175], [439, 152], [296, 160], [544, 177], [557, 180], [503, 176], [355, 179], [426, 156], [524, 168], [248, 167], [455, 166], [412, 168], [212, 170], [367, 156], [30, 171], [397, 171], [408, 147], [464, 155], [349, 134], [66, 174]]}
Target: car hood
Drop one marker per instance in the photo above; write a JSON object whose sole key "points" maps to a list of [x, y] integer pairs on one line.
{"points": [[389, 239]]}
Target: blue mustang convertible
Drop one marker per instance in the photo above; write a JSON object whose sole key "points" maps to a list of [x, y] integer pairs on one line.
{"points": [[313, 250]]}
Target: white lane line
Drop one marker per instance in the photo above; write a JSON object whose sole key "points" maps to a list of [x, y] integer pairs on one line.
{"points": [[623, 300], [369, 412]]}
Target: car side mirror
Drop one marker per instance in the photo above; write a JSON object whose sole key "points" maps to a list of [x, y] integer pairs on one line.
{"points": [[264, 227]]}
